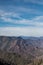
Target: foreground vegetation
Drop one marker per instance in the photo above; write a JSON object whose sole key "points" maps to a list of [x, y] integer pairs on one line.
{"points": [[16, 59]]}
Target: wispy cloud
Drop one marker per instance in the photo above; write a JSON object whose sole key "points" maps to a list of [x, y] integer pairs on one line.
{"points": [[34, 1], [19, 13], [21, 10], [10, 17], [9, 2], [21, 31], [8, 14]]}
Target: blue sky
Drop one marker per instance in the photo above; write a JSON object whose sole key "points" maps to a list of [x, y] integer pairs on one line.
{"points": [[21, 17]]}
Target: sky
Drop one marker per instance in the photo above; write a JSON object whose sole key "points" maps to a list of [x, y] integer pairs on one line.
{"points": [[21, 18]]}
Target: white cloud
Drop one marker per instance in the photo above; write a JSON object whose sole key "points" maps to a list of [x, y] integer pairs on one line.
{"points": [[9, 14], [21, 31], [6, 17], [37, 21], [17, 11], [29, 10]]}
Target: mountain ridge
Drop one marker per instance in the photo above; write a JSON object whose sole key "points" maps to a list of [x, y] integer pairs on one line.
{"points": [[21, 48], [20, 45]]}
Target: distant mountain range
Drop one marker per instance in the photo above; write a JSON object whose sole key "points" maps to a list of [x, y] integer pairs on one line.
{"points": [[21, 50], [22, 45]]}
